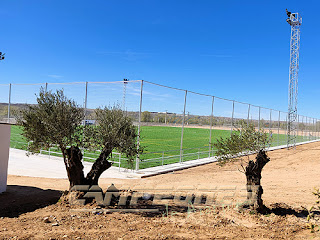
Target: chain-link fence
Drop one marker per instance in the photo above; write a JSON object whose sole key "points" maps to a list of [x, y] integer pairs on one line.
{"points": [[175, 125]]}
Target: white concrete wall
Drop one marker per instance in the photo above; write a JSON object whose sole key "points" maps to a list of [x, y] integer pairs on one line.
{"points": [[4, 155]]}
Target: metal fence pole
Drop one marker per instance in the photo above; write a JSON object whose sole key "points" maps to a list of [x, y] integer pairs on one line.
{"points": [[304, 127], [9, 103], [162, 158], [211, 122], [232, 116], [317, 127], [270, 121], [138, 137], [287, 129], [305, 137], [248, 115], [298, 129], [86, 101], [184, 113], [259, 119], [314, 130], [279, 129], [309, 128]]}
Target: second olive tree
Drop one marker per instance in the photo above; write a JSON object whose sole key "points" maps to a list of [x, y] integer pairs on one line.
{"points": [[244, 141]]}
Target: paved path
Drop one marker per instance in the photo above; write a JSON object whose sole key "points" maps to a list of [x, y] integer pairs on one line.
{"points": [[53, 167]]}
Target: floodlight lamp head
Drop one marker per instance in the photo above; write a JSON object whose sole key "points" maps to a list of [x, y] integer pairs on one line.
{"points": [[288, 13]]}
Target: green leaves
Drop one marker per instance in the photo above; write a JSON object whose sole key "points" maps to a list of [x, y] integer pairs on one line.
{"points": [[246, 139], [54, 120], [113, 130]]}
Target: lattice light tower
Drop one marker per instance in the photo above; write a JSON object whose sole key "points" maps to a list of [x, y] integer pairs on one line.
{"points": [[125, 82], [294, 21]]}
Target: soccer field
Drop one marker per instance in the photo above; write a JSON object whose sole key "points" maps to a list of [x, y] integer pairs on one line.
{"points": [[161, 144]]}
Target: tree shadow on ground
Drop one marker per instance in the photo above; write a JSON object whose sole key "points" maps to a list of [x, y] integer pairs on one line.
{"points": [[22, 199], [282, 209]]}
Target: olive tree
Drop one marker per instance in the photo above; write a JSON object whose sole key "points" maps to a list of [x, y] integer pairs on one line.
{"points": [[113, 131], [247, 140], [57, 121]]}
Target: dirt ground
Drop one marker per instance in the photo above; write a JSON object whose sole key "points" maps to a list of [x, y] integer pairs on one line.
{"points": [[288, 181]]}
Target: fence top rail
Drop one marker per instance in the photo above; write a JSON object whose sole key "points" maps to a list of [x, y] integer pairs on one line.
{"points": [[25, 84], [118, 81], [66, 83], [208, 95], [156, 84]]}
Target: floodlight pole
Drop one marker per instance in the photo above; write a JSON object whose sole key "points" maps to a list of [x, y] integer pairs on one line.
{"points": [[125, 82], [138, 137], [294, 21]]}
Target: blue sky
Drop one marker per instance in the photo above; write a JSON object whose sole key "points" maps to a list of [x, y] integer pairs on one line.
{"points": [[232, 49]]}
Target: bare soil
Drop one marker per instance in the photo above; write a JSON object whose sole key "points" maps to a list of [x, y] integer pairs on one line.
{"points": [[288, 181]]}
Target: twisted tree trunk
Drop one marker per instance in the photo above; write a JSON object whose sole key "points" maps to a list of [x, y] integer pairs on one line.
{"points": [[254, 188], [99, 166], [73, 162], [74, 166]]}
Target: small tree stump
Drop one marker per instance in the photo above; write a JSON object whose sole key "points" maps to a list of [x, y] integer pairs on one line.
{"points": [[254, 188]]}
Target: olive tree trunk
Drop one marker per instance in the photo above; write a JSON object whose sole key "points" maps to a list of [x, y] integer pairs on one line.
{"points": [[254, 188], [73, 162], [99, 166]]}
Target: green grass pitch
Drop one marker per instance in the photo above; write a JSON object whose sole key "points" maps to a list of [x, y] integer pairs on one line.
{"points": [[162, 143]]}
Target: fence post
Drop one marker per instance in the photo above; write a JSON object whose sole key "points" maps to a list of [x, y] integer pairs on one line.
{"points": [[138, 137], [184, 113], [211, 122], [303, 130], [317, 127], [314, 131], [232, 116], [259, 119], [9, 103], [162, 157], [46, 87], [248, 114], [309, 129], [298, 129], [270, 121], [287, 130], [86, 102], [279, 128]]}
